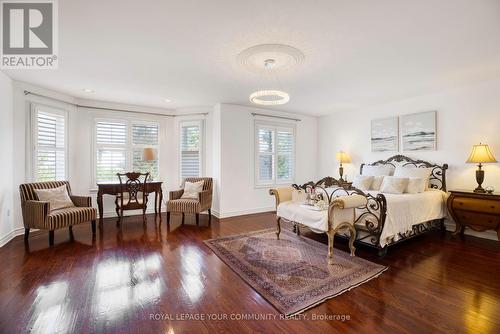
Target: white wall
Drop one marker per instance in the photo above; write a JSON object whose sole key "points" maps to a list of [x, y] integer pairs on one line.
{"points": [[239, 194], [466, 116], [7, 166]]}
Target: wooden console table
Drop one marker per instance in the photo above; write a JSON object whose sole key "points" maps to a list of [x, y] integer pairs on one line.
{"points": [[114, 189]]}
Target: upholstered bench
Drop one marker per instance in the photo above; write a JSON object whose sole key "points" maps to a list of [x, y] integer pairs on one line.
{"points": [[339, 215]]}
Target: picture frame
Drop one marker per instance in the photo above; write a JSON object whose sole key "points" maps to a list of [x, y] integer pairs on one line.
{"points": [[385, 134], [418, 131]]}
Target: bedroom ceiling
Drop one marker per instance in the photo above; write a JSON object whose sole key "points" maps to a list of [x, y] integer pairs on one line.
{"points": [[357, 53]]}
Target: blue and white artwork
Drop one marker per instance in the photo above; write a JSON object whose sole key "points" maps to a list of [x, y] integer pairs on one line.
{"points": [[385, 133], [419, 131]]}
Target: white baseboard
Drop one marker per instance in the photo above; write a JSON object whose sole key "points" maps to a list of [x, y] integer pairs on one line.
{"points": [[112, 214], [228, 214], [11, 235]]}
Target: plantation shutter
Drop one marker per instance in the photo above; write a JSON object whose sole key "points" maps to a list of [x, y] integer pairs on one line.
{"points": [[111, 141], [275, 146], [144, 136], [190, 150], [266, 154], [50, 146]]}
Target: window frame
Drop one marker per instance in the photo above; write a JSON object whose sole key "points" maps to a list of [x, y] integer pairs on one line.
{"points": [[200, 123], [275, 126], [128, 147], [34, 108]]}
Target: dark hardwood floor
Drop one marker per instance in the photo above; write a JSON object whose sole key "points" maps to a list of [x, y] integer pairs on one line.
{"points": [[125, 277]]}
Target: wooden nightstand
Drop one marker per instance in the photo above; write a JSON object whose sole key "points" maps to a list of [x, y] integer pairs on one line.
{"points": [[479, 211]]}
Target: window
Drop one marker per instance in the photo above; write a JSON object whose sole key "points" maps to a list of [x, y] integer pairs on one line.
{"points": [[119, 147], [145, 136], [190, 149], [49, 144], [274, 153]]}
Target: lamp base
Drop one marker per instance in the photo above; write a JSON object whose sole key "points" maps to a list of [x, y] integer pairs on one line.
{"points": [[479, 180], [479, 190]]}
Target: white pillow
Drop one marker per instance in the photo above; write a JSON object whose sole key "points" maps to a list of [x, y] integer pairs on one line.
{"points": [[423, 173], [394, 185], [191, 189], [362, 182], [377, 182], [57, 197], [385, 170], [415, 185]]}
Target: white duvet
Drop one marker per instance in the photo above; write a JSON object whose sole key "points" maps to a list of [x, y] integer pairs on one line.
{"points": [[403, 211]]}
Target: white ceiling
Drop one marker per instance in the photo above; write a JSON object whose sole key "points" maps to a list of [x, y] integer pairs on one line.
{"points": [[357, 53]]}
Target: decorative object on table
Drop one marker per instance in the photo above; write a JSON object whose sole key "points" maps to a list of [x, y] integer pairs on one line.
{"points": [[342, 158], [203, 202], [480, 154], [418, 131], [479, 211], [385, 134], [41, 215], [291, 273], [149, 155], [489, 189]]}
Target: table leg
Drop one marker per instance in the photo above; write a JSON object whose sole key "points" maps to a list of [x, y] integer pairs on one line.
{"points": [[100, 206], [160, 201], [156, 203]]}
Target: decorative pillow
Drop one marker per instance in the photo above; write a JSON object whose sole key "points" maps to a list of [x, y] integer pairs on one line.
{"points": [[299, 196], [362, 182], [57, 197], [191, 189], [394, 185], [415, 185], [423, 173], [377, 170], [377, 182]]}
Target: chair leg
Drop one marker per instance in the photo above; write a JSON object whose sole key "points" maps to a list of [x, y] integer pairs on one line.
{"points": [[183, 218], [93, 227], [168, 217], [51, 238], [70, 229], [197, 219], [26, 234], [209, 217]]}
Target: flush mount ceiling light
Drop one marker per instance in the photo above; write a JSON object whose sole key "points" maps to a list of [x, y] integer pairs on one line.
{"points": [[270, 58], [88, 90], [167, 100], [269, 97]]}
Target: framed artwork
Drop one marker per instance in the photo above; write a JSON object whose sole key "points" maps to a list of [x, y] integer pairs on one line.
{"points": [[385, 135], [419, 131]]}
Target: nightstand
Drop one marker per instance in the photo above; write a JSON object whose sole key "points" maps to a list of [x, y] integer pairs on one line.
{"points": [[479, 211]]}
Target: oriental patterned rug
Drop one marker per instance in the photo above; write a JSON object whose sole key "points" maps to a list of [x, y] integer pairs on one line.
{"points": [[292, 273]]}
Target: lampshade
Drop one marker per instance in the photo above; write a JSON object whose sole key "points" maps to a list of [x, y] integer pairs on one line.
{"points": [[480, 154], [149, 154], [343, 157]]}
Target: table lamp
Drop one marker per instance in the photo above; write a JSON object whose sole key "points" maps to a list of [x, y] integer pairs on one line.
{"points": [[148, 155], [343, 158], [480, 154]]}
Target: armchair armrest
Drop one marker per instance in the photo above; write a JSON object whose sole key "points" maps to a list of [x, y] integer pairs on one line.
{"points": [[176, 194], [81, 201], [35, 213], [282, 194], [205, 198]]}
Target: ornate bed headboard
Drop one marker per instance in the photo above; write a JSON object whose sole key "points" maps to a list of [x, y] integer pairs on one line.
{"points": [[437, 179]]}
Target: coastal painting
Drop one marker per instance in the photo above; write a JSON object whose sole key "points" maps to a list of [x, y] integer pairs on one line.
{"points": [[419, 131], [385, 134]]}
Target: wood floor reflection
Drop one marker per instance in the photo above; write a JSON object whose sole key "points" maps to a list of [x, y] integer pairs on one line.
{"points": [[152, 279]]}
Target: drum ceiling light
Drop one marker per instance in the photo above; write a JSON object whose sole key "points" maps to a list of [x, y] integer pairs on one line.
{"points": [[269, 97]]}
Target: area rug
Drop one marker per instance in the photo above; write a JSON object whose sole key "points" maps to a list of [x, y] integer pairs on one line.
{"points": [[292, 273]]}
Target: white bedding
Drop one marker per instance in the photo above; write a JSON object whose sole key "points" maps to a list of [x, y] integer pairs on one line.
{"points": [[403, 211]]}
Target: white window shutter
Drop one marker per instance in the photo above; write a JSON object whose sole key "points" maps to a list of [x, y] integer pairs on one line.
{"points": [[111, 155], [50, 146], [190, 150], [145, 136]]}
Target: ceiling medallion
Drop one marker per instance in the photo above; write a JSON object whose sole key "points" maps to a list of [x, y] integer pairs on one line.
{"points": [[269, 97], [270, 58]]}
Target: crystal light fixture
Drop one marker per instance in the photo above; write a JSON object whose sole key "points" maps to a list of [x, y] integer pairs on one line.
{"points": [[269, 97]]}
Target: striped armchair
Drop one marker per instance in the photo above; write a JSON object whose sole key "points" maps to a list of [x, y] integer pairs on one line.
{"points": [[203, 203], [37, 214]]}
